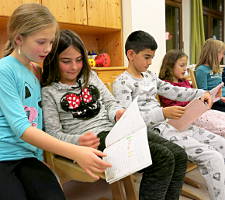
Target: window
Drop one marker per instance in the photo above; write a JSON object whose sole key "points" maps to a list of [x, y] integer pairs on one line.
{"points": [[213, 11], [174, 24]]}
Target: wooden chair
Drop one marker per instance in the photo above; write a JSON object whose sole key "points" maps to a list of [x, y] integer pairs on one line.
{"points": [[67, 170], [192, 76], [185, 192]]}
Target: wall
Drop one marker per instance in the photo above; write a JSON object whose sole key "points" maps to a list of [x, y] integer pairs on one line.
{"points": [[186, 26], [149, 16]]}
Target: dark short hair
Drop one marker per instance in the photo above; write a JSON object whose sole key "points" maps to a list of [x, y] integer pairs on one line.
{"points": [[51, 71], [140, 40]]}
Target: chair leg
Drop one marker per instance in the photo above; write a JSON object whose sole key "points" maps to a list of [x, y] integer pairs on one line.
{"points": [[191, 182], [118, 192], [130, 188], [189, 194]]}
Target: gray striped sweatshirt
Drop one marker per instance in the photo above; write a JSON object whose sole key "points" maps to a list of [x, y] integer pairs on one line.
{"points": [[62, 125]]}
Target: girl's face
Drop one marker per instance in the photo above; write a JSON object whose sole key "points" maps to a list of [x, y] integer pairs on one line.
{"points": [[179, 69], [70, 65], [36, 46], [220, 56]]}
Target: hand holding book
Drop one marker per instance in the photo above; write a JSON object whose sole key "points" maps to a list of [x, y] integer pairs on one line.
{"points": [[196, 108]]}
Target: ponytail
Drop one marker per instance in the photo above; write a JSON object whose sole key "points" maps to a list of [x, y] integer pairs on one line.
{"points": [[9, 47]]}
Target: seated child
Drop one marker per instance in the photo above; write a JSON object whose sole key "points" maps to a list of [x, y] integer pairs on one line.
{"points": [[208, 73], [204, 148], [173, 69], [79, 109]]}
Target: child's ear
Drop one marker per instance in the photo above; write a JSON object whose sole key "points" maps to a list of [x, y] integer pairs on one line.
{"points": [[18, 40], [130, 54]]}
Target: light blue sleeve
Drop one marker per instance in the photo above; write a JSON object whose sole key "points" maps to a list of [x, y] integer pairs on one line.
{"points": [[11, 107], [201, 78]]}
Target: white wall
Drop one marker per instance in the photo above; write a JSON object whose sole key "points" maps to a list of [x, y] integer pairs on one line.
{"points": [[186, 26], [149, 16]]}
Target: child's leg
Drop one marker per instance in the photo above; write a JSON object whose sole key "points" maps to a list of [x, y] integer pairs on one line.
{"points": [[10, 186], [179, 169], [219, 105], [210, 161], [213, 121], [159, 180], [38, 180]]}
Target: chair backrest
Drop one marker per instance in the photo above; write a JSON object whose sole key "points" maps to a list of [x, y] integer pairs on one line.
{"points": [[192, 76]]}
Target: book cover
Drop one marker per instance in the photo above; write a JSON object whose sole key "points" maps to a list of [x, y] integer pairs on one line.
{"points": [[193, 111]]}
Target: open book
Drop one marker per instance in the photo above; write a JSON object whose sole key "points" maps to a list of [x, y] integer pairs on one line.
{"points": [[214, 92], [127, 146], [193, 111]]}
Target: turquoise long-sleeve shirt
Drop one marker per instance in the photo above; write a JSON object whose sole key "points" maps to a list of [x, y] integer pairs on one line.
{"points": [[20, 99], [206, 80]]}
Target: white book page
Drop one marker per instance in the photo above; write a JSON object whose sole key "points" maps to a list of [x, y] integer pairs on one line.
{"points": [[214, 92], [128, 155], [130, 121]]}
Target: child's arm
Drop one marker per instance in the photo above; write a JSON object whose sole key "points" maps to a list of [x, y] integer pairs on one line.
{"points": [[89, 139], [86, 157], [177, 93]]}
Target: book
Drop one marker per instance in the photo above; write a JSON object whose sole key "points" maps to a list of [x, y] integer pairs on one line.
{"points": [[127, 145], [214, 92], [193, 111]]}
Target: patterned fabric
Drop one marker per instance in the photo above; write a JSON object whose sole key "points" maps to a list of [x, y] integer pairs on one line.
{"points": [[211, 120], [63, 124], [126, 88], [165, 102], [204, 148], [84, 105]]}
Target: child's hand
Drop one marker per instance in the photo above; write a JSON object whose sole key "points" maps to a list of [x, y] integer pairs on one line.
{"points": [[173, 112], [119, 113], [89, 139], [207, 98], [219, 93], [223, 99], [88, 159]]}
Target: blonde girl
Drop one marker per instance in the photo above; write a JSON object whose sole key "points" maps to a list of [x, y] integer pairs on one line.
{"points": [[32, 31], [208, 73]]}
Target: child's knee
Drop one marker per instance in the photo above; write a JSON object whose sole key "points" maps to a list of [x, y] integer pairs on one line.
{"points": [[214, 157], [162, 156], [180, 155]]}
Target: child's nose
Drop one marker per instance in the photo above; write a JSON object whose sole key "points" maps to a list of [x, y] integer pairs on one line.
{"points": [[149, 61], [48, 48]]}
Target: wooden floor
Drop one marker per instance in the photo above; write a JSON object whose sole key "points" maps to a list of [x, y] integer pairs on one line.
{"points": [[100, 190]]}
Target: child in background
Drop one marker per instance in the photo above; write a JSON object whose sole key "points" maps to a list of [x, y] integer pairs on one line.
{"points": [[173, 70], [208, 73], [204, 148], [79, 109], [32, 31]]}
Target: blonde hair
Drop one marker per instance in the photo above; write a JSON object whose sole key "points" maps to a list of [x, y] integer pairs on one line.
{"points": [[209, 54], [27, 19]]}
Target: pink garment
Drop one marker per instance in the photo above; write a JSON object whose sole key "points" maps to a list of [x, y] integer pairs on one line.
{"points": [[211, 120]]}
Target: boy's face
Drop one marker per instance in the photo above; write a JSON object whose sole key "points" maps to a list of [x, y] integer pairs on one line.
{"points": [[140, 61]]}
